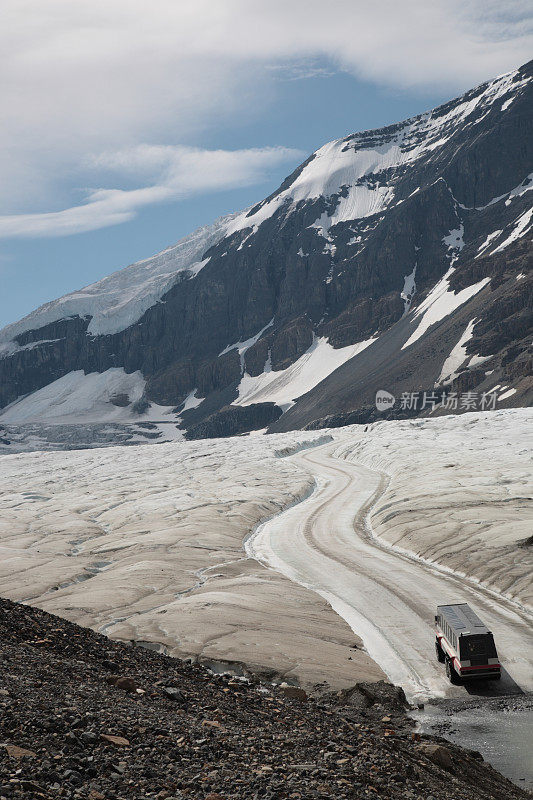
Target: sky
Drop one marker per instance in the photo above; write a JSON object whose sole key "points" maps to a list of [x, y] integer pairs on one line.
{"points": [[126, 124]]}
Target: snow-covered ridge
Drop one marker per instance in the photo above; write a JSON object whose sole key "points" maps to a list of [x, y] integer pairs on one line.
{"points": [[361, 170], [358, 174], [7, 348], [121, 299]]}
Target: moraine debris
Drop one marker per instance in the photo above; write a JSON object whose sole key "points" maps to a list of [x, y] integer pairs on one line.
{"points": [[67, 733]]}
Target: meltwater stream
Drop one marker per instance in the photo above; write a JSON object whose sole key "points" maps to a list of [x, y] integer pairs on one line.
{"points": [[501, 729]]}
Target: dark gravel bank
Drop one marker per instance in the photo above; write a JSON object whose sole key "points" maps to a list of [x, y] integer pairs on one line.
{"points": [[70, 729]]}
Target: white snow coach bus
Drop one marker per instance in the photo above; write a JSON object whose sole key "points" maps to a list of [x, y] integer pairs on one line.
{"points": [[465, 644]]}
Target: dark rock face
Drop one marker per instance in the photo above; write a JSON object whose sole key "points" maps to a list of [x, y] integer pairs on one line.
{"points": [[172, 384], [347, 396], [121, 400], [311, 271], [231, 420]]}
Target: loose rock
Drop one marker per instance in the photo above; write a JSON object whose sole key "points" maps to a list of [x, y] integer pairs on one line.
{"points": [[126, 684], [118, 741], [294, 692], [439, 754], [69, 734]]}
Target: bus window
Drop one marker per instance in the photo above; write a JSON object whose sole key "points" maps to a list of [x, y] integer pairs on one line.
{"points": [[478, 646], [474, 648]]}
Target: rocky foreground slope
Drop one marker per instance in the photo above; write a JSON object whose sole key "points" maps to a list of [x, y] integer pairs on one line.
{"points": [[84, 717]]}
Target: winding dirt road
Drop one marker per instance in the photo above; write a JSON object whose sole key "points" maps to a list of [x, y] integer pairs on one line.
{"points": [[388, 599]]}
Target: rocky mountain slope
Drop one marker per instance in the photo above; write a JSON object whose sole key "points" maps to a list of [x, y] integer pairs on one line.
{"points": [[395, 259], [84, 717]]}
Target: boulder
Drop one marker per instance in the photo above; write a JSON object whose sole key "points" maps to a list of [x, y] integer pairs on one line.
{"points": [[175, 694], [294, 693], [438, 754], [126, 684]]}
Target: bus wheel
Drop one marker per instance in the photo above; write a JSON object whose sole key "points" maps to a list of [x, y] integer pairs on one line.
{"points": [[440, 653], [451, 674]]}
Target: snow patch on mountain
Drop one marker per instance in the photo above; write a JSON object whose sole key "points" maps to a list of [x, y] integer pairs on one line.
{"points": [[335, 169], [457, 356], [283, 387], [455, 239], [81, 398], [408, 291], [522, 188], [507, 394], [441, 302], [522, 225], [242, 347], [191, 401], [455, 242], [486, 244]]}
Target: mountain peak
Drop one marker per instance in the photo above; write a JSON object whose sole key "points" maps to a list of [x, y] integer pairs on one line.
{"points": [[344, 253]]}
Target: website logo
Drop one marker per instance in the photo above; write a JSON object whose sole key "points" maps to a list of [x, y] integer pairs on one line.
{"points": [[384, 400]]}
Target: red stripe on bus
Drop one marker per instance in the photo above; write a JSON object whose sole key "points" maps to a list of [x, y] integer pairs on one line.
{"points": [[482, 666]]}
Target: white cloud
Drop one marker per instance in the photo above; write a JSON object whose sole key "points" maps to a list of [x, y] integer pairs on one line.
{"points": [[181, 171], [96, 76], [297, 71]]}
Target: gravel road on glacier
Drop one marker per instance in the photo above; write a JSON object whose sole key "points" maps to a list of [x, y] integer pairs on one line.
{"points": [[388, 598]]}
